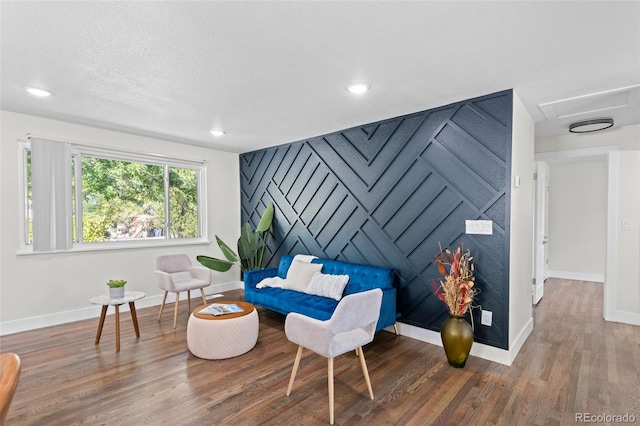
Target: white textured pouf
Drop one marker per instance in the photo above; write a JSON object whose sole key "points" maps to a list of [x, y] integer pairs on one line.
{"points": [[223, 336]]}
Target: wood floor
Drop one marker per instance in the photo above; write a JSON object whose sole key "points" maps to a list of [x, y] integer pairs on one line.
{"points": [[572, 363]]}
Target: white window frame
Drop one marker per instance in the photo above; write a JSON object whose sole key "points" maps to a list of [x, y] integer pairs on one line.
{"points": [[78, 151]]}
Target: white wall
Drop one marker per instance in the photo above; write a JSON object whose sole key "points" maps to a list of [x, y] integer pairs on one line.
{"points": [[628, 267], [626, 285], [44, 289], [578, 220], [521, 237]]}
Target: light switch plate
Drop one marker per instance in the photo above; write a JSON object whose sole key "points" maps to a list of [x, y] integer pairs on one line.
{"points": [[482, 227]]}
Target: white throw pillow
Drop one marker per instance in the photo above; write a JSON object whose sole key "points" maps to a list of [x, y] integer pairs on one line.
{"points": [[328, 285], [299, 275]]}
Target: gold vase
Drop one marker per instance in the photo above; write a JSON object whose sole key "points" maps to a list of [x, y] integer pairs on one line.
{"points": [[457, 338]]}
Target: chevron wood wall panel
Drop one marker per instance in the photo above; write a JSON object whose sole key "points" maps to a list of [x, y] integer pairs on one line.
{"points": [[388, 193]]}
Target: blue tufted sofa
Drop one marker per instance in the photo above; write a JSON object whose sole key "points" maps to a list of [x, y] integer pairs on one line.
{"points": [[361, 278]]}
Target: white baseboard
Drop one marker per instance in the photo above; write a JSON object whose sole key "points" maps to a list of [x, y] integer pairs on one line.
{"points": [[520, 339], [32, 323], [578, 276], [632, 318], [538, 292], [480, 350]]}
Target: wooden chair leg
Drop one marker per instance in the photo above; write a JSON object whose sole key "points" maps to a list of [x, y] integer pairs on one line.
{"points": [[395, 328], [164, 299], [204, 299], [189, 301], [175, 312], [296, 363], [363, 364], [330, 382]]}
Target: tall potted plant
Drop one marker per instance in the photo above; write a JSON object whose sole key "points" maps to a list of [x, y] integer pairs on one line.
{"points": [[252, 247], [457, 291]]}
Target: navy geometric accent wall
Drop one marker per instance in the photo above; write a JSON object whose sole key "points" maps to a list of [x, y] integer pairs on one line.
{"points": [[388, 193]]}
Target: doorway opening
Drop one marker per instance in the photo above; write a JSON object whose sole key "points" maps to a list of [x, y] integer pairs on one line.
{"points": [[610, 156]]}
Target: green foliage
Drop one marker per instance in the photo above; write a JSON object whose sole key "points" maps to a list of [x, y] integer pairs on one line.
{"points": [[95, 227], [116, 283], [121, 180], [126, 200], [252, 247], [219, 265], [183, 202]]}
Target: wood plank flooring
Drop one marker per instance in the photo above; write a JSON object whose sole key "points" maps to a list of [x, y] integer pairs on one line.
{"points": [[573, 362]]}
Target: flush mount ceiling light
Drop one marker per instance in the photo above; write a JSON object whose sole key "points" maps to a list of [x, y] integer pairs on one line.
{"points": [[216, 132], [357, 88], [594, 125], [35, 91]]}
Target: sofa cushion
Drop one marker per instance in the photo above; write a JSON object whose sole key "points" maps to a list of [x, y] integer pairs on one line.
{"points": [[299, 275], [327, 285], [285, 301]]}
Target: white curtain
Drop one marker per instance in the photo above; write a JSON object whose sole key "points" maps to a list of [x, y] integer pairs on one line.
{"points": [[51, 195]]}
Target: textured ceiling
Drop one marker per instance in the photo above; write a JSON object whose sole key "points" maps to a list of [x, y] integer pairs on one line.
{"points": [[269, 73]]}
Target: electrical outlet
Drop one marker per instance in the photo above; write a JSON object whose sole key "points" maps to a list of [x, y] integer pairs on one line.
{"points": [[487, 317]]}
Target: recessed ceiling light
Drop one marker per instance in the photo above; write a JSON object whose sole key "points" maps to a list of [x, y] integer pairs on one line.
{"points": [[587, 126], [38, 92], [216, 132], [357, 88]]}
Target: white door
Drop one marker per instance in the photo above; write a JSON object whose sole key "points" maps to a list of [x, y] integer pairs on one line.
{"points": [[541, 228]]}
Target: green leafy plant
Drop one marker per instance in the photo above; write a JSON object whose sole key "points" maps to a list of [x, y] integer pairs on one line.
{"points": [[116, 283], [252, 247]]}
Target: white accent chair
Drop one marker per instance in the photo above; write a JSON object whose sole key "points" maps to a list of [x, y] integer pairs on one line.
{"points": [[352, 325], [176, 274]]}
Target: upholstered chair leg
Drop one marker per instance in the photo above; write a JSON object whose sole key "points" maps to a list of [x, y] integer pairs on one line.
{"points": [[204, 299], [330, 380], [189, 301], [295, 369], [363, 364], [164, 299], [175, 311]]}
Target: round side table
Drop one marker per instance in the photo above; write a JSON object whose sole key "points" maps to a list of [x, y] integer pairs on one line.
{"points": [[129, 297]]}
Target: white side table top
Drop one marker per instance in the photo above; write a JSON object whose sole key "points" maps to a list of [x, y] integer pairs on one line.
{"points": [[129, 296]]}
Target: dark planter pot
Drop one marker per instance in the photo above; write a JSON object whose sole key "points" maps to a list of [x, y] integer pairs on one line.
{"points": [[457, 338]]}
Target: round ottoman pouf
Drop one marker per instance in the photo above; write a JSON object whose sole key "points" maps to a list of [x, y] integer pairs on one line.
{"points": [[223, 336]]}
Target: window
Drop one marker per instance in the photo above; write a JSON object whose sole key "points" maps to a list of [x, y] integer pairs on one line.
{"points": [[115, 197]]}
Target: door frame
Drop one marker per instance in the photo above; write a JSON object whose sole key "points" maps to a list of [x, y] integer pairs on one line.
{"points": [[610, 155], [541, 218]]}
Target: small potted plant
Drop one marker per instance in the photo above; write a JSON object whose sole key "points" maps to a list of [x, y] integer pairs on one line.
{"points": [[116, 288]]}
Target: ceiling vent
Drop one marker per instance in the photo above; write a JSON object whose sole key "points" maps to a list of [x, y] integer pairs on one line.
{"points": [[592, 103]]}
